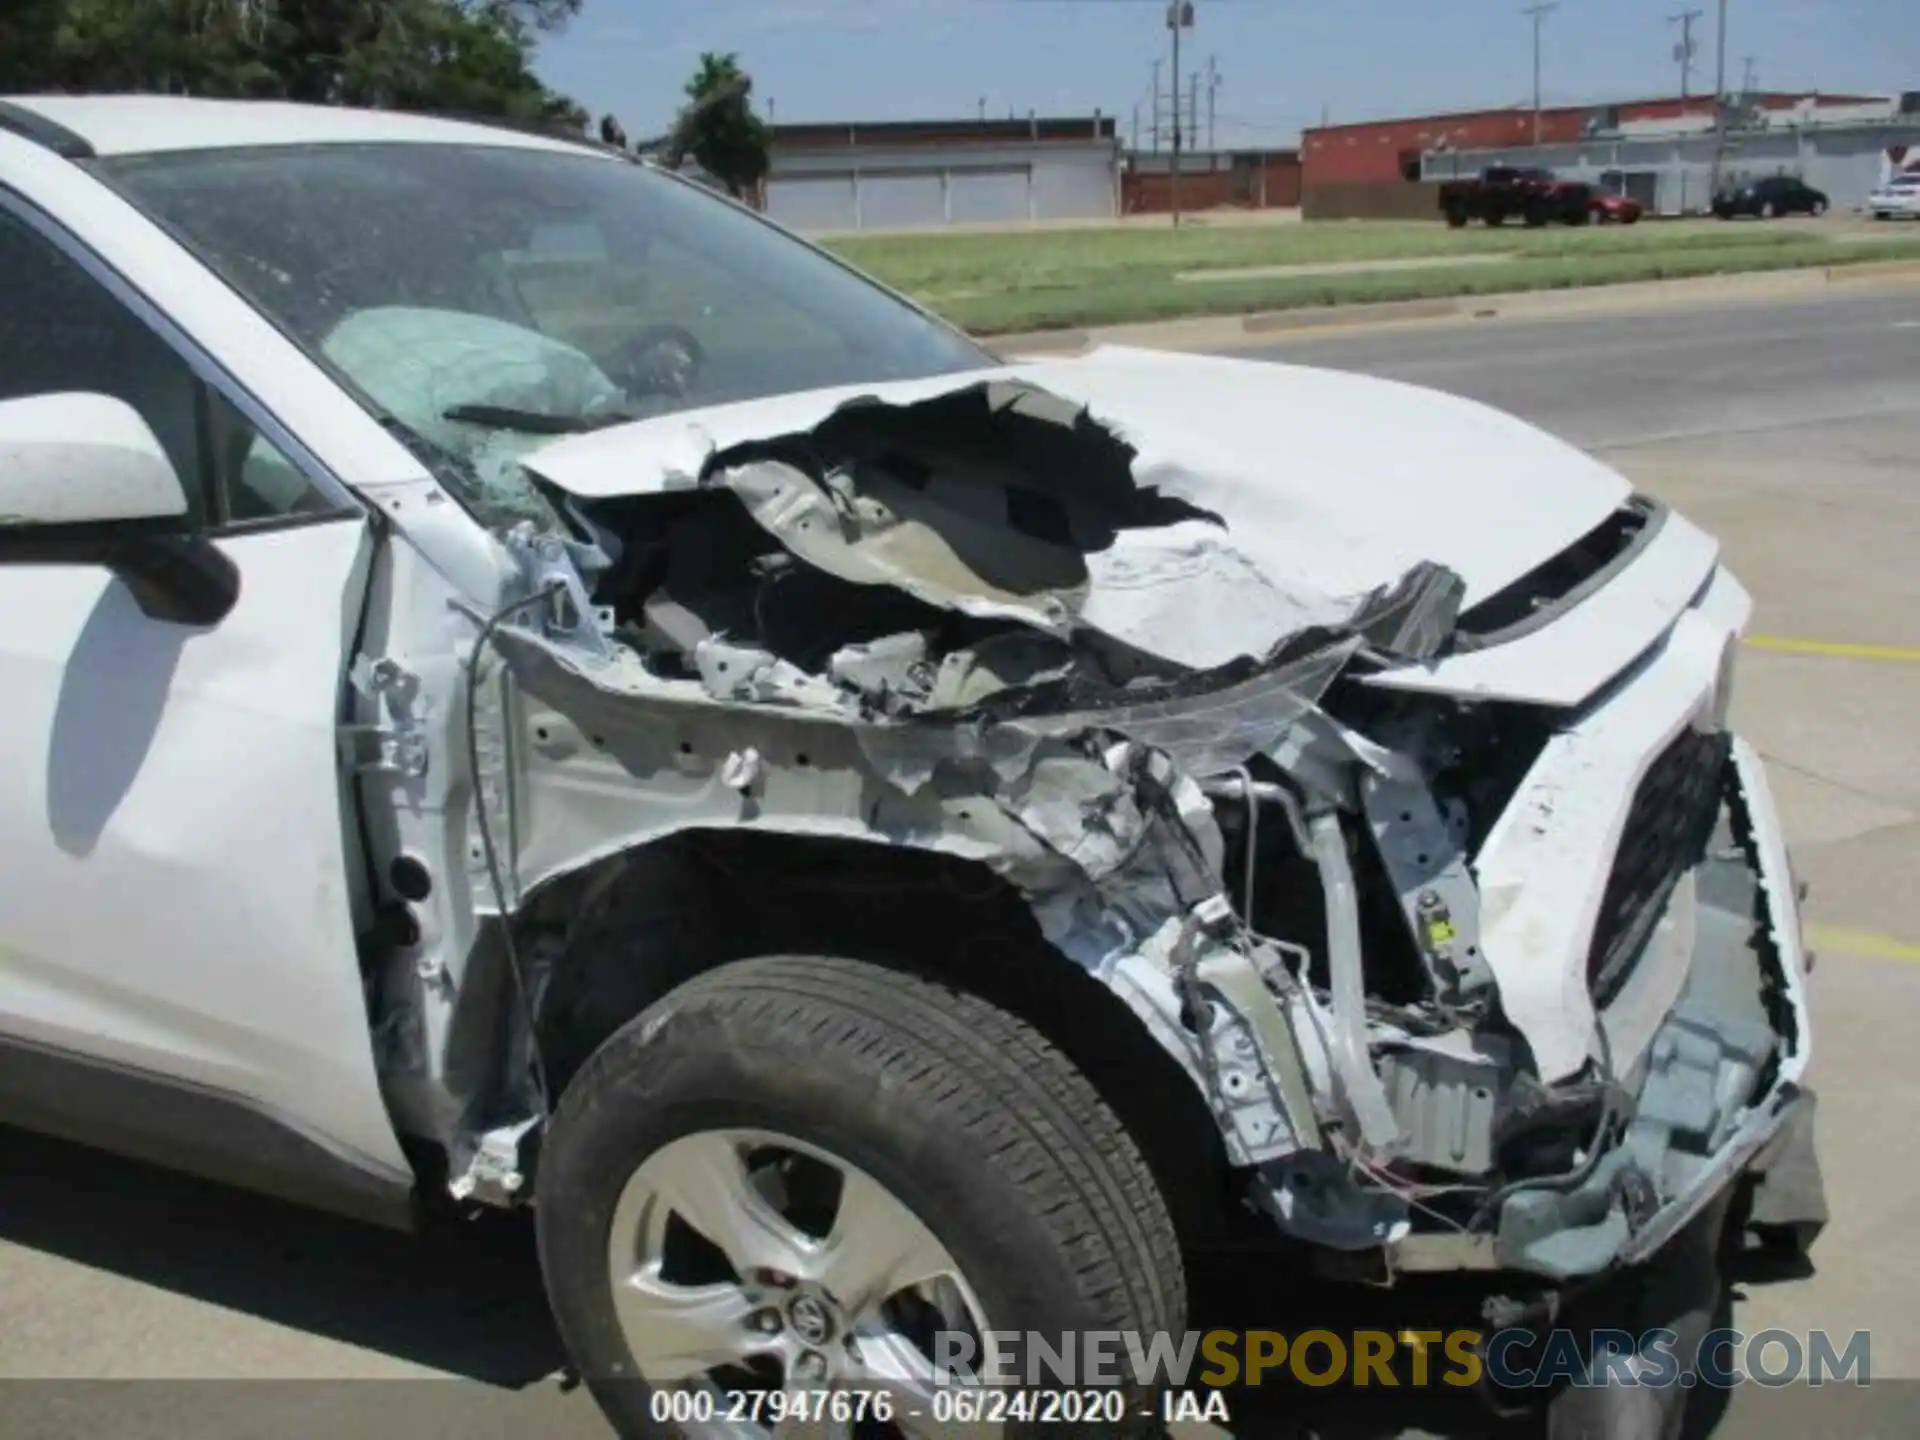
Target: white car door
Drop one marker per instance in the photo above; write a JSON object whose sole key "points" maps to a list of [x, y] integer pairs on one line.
{"points": [[176, 925]]}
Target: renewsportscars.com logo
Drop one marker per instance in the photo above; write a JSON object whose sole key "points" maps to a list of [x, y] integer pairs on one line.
{"points": [[1510, 1359]]}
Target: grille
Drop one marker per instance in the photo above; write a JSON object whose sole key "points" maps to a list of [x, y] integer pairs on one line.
{"points": [[1668, 827]]}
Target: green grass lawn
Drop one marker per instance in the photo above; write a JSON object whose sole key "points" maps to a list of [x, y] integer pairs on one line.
{"points": [[995, 283]]}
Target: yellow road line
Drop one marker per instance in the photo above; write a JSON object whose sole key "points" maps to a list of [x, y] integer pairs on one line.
{"points": [[1861, 942], [1834, 649]]}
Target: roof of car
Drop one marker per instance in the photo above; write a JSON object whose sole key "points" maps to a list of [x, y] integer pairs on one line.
{"points": [[149, 124]]}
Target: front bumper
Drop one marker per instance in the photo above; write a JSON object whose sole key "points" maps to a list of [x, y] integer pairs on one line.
{"points": [[1640, 916], [1715, 1085]]}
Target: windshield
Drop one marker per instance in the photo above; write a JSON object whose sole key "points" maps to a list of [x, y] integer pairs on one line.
{"points": [[482, 299]]}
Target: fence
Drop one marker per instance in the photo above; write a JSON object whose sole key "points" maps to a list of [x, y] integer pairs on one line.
{"points": [[1268, 186], [1371, 200]]}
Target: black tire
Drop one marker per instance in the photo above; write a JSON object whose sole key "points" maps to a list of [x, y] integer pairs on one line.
{"points": [[1817, 209], [967, 1115], [1496, 218], [1456, 219]]}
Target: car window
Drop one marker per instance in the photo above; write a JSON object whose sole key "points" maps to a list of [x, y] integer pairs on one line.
{"points": [[61, 330], [481, 299]]}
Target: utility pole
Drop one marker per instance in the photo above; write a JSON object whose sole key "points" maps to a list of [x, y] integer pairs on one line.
{"points": [[1193, 110], [1136, 128], [1156, 107], [1683, 52], [1539, 13], [1213, 89], [1719, 98], [1749, 77], [1179, 17]]}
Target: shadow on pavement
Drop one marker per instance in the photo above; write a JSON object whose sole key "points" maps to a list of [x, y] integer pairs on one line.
{"points": [[466, 1300], [463, 1298]]}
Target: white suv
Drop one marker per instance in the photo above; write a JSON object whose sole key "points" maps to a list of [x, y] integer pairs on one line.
{"points": [[527, 683]]}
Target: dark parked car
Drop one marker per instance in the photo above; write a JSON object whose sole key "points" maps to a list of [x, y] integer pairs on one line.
{"points": [[1775, 195]]}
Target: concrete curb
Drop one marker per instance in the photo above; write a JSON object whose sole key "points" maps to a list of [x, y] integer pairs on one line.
{"points": [[1875, 270], [1218, 332]]}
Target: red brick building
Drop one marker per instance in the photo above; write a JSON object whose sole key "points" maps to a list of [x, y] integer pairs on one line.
{"points": [[1380, 151]]}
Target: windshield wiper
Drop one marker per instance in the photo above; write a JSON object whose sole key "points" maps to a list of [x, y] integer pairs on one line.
{"points": [[529, 422]]}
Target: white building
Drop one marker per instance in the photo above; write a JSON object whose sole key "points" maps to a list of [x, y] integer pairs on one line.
{"points": [[904, 175]]}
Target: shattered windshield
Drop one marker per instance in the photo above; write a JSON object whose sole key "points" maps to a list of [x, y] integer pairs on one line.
{"points": [[482, 300]]}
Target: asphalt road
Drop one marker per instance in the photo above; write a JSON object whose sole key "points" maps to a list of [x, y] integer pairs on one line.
{"points": [[1792, 430], [1626, 381]]}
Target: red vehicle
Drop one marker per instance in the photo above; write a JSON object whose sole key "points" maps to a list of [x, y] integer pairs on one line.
{"points": [[1614, 209]]}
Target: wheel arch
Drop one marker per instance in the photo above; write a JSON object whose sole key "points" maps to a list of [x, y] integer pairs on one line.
{"points": [[619, 933]]}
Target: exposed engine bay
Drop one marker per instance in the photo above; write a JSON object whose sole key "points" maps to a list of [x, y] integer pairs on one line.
{"points": [[1469, 982]]}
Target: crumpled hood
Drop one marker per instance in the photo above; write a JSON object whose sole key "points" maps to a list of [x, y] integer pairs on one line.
{"points": [[1345, 481], [1333, 483]]}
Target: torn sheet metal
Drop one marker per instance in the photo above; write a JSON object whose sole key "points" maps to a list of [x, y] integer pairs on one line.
{"points": [[880, 533], [1310, 485], [1001, 501]]}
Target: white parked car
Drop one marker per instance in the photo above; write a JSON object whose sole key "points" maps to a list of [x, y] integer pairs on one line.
{"points": [[1900, 196], [527, 683]]}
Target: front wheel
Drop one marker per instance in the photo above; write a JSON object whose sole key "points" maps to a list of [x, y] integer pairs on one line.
{"points": [[1767, 210], [1818, 208], [796, 1173]]}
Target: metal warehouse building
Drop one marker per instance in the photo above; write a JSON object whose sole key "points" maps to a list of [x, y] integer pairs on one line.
{"points": [[1384, 151], [903, 175], [1843, 154]]}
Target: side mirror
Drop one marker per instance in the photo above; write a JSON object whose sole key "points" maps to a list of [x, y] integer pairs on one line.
{"points": [[84, 481]]}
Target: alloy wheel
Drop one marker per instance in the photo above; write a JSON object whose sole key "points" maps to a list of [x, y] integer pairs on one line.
{"points": [[743, 1260]]}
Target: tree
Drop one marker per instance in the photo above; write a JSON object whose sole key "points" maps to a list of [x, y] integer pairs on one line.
{"points": [[719, 127], [453, 55], [29, 32], [612, 132]]}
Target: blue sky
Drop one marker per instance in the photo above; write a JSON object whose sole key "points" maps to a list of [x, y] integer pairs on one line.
{"points": [[1280, 61]]}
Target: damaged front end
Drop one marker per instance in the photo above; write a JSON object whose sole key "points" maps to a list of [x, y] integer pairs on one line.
{"points": [[1465, 982]]}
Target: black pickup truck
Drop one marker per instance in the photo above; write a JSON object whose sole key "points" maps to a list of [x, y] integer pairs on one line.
{"points": [[1528, 193]]}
